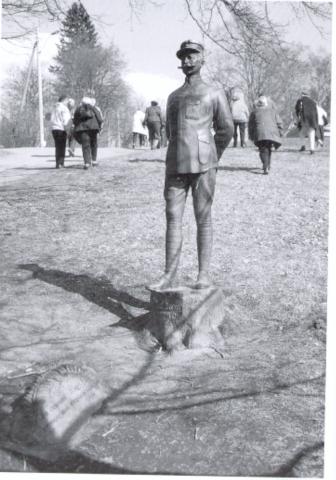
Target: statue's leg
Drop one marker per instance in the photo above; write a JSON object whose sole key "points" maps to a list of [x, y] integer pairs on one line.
{"points": [[176, 190], [203, 193]]}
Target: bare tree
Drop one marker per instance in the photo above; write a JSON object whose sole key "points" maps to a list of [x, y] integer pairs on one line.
{"points": [[17, 15]]}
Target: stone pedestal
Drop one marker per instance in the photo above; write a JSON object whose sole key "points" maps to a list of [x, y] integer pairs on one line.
{"points": [[186, 317]]}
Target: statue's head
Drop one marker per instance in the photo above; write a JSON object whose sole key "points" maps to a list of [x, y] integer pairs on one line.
{"points": [[191, 55]]}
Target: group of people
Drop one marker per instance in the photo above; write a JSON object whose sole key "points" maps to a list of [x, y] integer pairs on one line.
{"points": [[82, 124], [149, 124], [265, 127]]}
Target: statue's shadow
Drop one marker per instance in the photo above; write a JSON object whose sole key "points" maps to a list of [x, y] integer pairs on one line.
{"points": [[131, 310], [253, 170]]}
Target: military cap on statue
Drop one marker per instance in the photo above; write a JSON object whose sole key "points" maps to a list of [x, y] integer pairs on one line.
{"points": [[189, 46]]}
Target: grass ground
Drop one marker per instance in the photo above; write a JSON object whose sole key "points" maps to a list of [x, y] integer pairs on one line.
{"points": [[78, 247]]}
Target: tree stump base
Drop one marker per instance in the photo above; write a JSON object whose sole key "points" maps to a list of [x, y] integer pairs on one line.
{"points": [[185, 317]]}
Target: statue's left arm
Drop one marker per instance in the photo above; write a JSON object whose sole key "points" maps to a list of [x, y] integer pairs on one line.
{"points": [[222, 123]]}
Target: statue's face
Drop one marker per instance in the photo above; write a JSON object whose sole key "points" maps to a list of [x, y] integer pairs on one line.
{"points": [[191, 63]]}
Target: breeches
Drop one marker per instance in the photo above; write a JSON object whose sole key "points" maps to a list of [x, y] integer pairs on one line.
{"points": [[176, 190]]}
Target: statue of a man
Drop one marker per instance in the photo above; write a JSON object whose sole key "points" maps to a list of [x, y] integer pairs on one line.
{"points": [[193, 110]]}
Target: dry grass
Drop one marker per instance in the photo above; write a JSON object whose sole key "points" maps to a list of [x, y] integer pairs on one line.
{"points": [[76, 245]]}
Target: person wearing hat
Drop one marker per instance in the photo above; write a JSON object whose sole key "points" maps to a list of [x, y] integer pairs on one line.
{"points": [[307, 120], [153, 121], [193, 153]]}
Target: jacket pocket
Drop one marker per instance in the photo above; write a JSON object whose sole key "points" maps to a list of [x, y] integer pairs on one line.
{"points": [[193, 110], [204, 147]]}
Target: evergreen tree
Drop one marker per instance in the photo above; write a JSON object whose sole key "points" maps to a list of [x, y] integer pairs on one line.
{"points": [[83, 67], [78, 41]]}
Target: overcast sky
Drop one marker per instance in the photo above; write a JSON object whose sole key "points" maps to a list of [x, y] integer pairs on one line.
{"points": [[148, 43]]}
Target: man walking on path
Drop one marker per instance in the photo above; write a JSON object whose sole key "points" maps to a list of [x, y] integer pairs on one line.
{"points": [[306, 112], [154, 122], [192, 160]]}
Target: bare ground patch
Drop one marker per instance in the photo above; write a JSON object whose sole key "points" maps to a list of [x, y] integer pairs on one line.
{"points": [[78, 247]]}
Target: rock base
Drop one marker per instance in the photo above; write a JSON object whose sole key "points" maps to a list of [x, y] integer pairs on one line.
{"points": [[186, 317]]}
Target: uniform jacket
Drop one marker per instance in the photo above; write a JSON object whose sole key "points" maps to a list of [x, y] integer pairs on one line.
{"points": [[87, 117], [239, 109], [60, 117], [265, 124], [193, 110], [306, 111]]}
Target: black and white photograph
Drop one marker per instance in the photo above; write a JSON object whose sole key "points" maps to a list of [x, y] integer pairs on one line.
{"points": [[167, 238]]}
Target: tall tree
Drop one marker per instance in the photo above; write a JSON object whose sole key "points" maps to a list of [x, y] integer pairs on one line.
{"points": [[19, 124], [84, 67]]}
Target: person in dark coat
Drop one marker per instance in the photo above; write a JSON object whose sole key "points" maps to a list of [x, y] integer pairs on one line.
{"points": [[307, 120], [88, 122], [153, 121], [265, 130]]}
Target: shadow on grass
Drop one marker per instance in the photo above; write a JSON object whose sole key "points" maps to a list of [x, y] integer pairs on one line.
{"points": [[147, 160], [286, 470], [254, 170], [98, 291]]}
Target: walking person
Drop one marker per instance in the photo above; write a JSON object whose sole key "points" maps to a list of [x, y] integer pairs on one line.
{"points": [[154, 122], [71, 137], [240, 115], [88, 122], [307, 120], [265, 130], [322, 120], [139, 131], [60, 124]]}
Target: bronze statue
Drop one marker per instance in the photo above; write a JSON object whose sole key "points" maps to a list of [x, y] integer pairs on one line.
{"points": [[192, 160]]}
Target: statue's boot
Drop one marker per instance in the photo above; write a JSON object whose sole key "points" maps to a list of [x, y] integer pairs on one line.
{"points": [[204, 247], [203, 281]]}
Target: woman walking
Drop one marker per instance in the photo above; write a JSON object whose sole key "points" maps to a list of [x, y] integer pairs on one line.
{"points": [[88, 122], [240, 115], [265, 130], [60, 123]]}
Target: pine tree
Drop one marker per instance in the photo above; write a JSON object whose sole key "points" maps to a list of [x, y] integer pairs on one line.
{"points": [[83, 67], [78, 44], [77, 29]]}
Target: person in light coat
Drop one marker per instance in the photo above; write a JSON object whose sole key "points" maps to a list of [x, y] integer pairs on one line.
{"points": [[240, 115], [139, 131], [60, 124], [265, 130], [322, 120]]}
